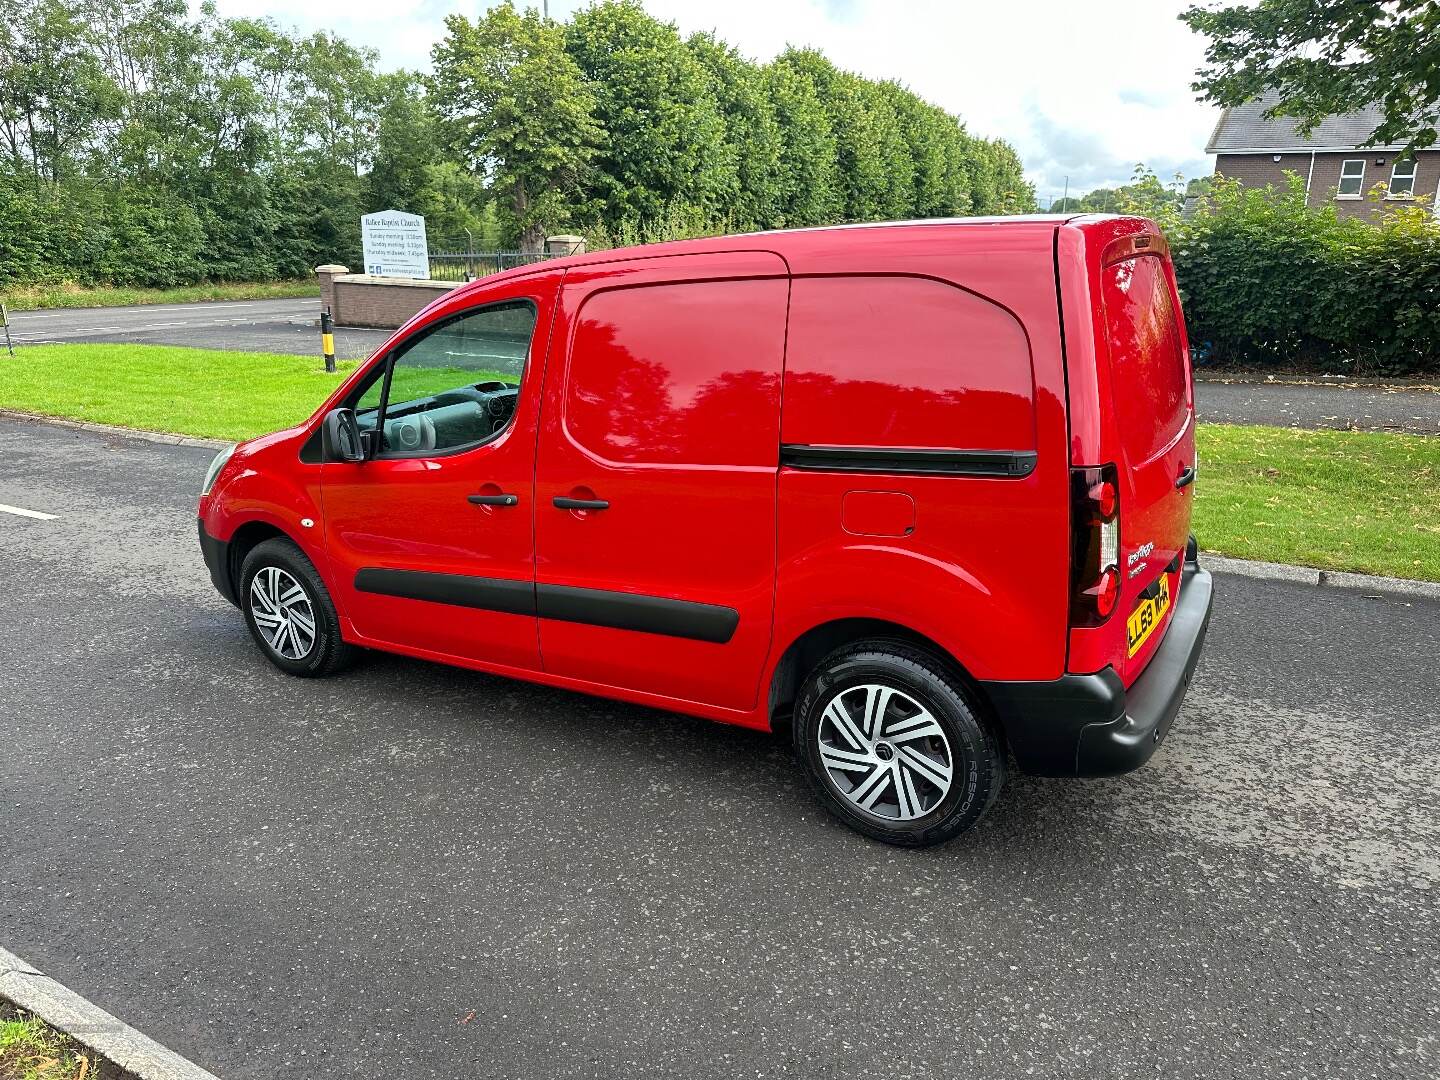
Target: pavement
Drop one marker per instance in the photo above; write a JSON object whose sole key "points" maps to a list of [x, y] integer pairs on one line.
{"points": [[416, 871], [280, 326]]}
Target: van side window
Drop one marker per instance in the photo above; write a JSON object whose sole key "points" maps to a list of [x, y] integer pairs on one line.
{"points": [[905, 362], [679, 373], [452, 386]]}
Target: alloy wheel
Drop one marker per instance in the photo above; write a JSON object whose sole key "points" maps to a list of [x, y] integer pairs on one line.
{"points": [[884, 752], [282, 613]]}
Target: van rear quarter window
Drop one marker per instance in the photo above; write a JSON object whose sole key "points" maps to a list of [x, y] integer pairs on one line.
{"points": [[905, 362], [684, 373], [1147, 368]]}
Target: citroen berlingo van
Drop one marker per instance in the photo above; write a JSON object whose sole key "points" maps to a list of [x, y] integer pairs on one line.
{"points": [[917, 494]]}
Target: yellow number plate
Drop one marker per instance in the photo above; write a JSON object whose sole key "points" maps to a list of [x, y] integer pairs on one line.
{"points": [[1147, 616]]}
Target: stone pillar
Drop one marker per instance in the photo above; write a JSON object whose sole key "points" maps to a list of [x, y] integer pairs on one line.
{"points": [[327, 275], [565, 245]]}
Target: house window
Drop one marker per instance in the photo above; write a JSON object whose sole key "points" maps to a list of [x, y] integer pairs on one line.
{"points": [[1402, 179], [1352, 179]]}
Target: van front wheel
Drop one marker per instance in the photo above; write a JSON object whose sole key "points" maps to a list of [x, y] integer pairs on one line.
{"points": [[894, 746], [290, 615]]}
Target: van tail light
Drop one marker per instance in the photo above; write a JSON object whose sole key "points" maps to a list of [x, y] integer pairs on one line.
{"points": [[1094, 545]]}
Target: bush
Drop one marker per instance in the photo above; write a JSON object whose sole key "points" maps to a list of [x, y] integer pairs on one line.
{"points": [[1268, 281]]}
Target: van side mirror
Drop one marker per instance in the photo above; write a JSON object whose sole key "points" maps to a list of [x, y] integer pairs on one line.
{"points": [[340, 438]]}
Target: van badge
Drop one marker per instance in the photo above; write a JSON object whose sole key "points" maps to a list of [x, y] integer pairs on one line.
{"points": [[1136, 562]]}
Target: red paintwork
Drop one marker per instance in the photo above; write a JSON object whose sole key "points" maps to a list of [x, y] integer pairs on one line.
{"points": [[1118, 419], [664, 379]]}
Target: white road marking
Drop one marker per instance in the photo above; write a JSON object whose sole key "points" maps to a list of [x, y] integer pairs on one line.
{"points": [[20, 511]]}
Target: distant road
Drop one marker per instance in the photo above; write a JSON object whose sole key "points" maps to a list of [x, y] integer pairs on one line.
{"points": [[282, 326]]}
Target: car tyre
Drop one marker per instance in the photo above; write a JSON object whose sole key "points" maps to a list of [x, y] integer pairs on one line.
{"points": [[290, 613], [932, 768]]}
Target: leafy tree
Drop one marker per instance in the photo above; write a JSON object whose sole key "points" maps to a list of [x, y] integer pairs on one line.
{"points": [[749, 170], [666, 143], [1321, 57], [810, 191], [520, 114]]}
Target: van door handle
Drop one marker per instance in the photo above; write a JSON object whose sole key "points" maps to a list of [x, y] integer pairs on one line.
{"points": [[1186, 477], [493, 500], [564, 502]]}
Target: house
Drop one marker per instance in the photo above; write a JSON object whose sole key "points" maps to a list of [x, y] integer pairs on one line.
{"points": [[1336, 168]]}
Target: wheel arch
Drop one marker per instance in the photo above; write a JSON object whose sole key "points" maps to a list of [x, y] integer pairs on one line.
{"points": [[245, 539], [805, 652]]}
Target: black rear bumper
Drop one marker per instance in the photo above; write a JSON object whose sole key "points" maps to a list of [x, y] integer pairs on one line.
{"points": [[1090, 725], [217, 561]]}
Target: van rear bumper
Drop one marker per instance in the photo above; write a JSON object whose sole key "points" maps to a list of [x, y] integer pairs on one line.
{"points": [[1090, 725]]}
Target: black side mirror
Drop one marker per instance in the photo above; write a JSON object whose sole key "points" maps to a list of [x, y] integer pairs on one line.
{"points": [[340, 438]]}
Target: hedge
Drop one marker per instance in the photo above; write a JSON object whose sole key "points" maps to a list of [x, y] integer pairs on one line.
{"points": [[1268, 281]]}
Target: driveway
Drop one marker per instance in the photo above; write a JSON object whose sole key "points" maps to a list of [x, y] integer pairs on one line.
{"points": [[416, 871], [281, 326]]}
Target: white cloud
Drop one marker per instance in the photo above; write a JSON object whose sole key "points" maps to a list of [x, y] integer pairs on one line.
{"points": [[1082, 88]]}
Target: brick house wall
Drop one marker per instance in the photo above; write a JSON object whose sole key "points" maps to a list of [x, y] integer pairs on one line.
{"points": [[1260, 169]]}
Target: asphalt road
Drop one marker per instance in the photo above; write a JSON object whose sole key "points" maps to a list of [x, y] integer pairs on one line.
{"points": [[1352, 408], [416, 871], [282, 326]]}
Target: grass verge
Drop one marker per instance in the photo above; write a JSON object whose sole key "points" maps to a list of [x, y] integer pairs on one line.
{"points": [[32, 1050], [1338, 500], [204, 392], [35, 297]]}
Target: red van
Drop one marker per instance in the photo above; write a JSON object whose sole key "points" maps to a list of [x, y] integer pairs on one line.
{"points": [[918, 493]]}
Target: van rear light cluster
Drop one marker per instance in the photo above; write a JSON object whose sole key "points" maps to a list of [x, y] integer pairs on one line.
{"points": [[1094, 545]]}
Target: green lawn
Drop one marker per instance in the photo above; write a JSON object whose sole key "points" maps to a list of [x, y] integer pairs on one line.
{"points": [[205, 392], [31, 1050], [1339, 500], [1334, 499], [34, 297]]}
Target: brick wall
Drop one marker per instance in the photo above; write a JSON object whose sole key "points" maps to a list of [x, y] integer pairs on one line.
{"points": [[379, 302], [1260, 169]]}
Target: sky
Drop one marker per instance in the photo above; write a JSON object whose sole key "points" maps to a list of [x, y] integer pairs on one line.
{"points": [[1083, 89]]}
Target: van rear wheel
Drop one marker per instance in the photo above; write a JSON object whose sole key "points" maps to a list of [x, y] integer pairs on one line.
{"points": [[289, 612], [894, 745]]}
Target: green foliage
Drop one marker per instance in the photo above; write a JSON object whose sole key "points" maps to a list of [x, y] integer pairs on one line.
{"points": [[519, 113], [1322, 57], [665, 139], [149, 143], [1267, 280]]}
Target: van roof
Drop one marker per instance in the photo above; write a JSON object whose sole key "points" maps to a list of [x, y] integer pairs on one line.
{"points": [[782, 241]]}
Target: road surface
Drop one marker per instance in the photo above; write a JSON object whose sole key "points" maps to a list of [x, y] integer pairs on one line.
{"points": [[283, 326], [416, 871]]}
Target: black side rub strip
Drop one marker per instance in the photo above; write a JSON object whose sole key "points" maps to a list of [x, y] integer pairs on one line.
{"points": [[1010, 464], [593, 607], [488, 594], [631, 611]]}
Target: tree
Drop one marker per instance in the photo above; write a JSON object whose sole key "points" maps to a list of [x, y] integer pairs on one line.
{"points": [[810, 183], [519, 113], [666, 148], [1322, 57], [749, 171]]}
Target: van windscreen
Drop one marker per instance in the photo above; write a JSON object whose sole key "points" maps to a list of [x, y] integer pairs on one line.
{"points": [[1147, 368]]}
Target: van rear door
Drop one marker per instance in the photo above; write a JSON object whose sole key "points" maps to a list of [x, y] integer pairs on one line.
{"points": [[1152, 430]]}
